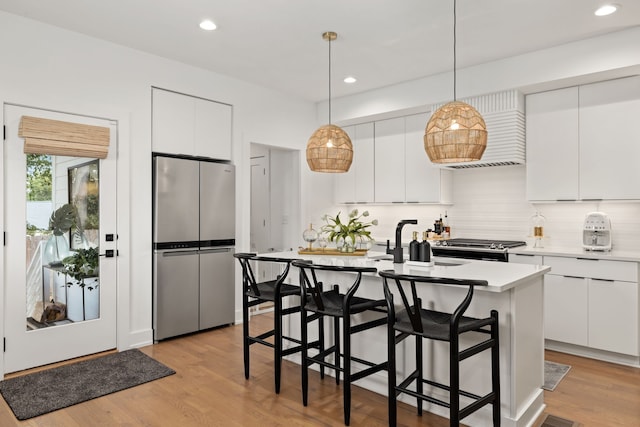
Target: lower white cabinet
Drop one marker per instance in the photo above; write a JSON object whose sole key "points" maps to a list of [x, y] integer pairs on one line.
{"points": [[613, 316], [592, 303], [525, 259], [566, 303]]}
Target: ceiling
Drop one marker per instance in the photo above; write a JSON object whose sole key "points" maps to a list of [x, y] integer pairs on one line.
{"points": [[278, 43]]}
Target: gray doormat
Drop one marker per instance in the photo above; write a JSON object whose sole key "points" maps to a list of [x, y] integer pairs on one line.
{"points": [[553, 373], [41, 392]]}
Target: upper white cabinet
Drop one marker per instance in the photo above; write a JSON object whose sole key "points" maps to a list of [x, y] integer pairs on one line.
{"points": [[356, 185], [582, 144], [552, 145], [183, 124], [389, 182], [609, 139], [391, 166], [424, 182]]}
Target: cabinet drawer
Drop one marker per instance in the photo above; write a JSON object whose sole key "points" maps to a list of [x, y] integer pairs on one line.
{"points": [[593, 268], [525, 259]]}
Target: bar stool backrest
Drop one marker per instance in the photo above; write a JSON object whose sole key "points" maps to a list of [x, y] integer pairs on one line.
{"points": [[414, 306], [313, 288], [249, 282]]}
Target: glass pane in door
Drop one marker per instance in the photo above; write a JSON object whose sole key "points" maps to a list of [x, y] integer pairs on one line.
{"points": [[62, 236]]}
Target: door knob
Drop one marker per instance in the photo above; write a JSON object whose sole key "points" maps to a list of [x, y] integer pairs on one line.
{"points": [[109, 253]]}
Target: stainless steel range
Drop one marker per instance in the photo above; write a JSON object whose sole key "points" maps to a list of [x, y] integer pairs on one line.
{"points": [[481, 249]]}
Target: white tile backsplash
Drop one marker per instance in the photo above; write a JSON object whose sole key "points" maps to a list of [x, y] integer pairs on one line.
{"points": [[491, 203]]}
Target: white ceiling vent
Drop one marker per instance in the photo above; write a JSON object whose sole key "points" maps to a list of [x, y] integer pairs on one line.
{"points": [[503, 113]]}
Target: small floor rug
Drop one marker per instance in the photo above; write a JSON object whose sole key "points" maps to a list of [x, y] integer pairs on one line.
{"points": [[41, 392], [553, 421], [553, 373]]}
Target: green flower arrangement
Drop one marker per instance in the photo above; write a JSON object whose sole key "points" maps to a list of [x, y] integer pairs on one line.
{"points": [[355, 227]]}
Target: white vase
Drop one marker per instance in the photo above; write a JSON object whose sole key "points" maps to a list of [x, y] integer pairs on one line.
{"points": [[56, 249]]}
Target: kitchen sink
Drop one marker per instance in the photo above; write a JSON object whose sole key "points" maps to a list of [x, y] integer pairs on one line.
{"points": [[449, 263], [381, 257]]}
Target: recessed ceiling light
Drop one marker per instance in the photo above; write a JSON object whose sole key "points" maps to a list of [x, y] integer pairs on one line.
{"points": [[350, 79], [606, 9], [208, 25]]}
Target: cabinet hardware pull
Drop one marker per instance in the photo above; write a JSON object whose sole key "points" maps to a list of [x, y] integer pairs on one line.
{"points": [[588, 259], [574, 277], [603, 280]]}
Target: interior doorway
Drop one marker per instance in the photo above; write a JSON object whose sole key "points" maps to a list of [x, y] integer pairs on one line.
{"points": [[275, 200]]}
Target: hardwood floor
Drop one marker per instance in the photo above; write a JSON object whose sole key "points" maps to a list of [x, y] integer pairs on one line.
{"points": [[209, 389]]}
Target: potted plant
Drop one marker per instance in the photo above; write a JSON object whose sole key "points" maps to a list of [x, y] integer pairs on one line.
{"points": [[345, 234], [57, 247], [81, 265]]}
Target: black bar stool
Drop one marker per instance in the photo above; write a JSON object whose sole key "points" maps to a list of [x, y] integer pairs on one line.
{"points": [[413, 320], [336, 305], [254, 293]]}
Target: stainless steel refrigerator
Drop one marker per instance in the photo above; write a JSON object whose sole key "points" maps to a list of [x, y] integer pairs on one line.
{"points": [[193, 243]]}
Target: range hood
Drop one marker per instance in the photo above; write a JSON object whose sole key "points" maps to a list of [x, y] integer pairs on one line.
{"points": [[503, 113]]}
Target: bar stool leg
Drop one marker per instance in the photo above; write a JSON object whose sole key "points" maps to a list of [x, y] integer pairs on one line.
{"points": [[420, 370], [304, 354], [336, 353], [277, 344], [454, 384], [245, 334], [346, 392], [495, 369], [336, 340], [321, 345], [391, 375]]}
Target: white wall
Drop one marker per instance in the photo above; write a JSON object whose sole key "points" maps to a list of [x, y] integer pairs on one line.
{"points": [[490, 203], [48, 67], [600, 58]]}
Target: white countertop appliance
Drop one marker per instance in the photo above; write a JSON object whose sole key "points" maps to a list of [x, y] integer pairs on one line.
{"points": [[596, 233]]}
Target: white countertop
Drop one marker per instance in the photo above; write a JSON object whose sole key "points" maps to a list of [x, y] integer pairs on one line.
{"points": [[613, 255], [501, 276]]}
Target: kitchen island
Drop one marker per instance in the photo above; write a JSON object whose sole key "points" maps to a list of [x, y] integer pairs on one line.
{"points": [[515, 290]]}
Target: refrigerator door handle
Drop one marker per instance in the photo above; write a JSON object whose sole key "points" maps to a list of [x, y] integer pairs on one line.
{"points": [[178, 253], [216, 250]]}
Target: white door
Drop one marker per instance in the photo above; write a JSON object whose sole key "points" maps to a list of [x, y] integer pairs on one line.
{"points": [[260, 240], [88, 323]]}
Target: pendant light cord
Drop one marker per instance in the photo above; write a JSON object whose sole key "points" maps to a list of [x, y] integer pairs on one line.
{"points": [[454, 53], [329, 80]]}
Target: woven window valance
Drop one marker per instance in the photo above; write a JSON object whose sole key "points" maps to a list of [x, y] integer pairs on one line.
{"points": [[55, 137]]}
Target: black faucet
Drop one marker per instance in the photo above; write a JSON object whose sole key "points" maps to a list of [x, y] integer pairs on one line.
{"points": [[397, 251]]}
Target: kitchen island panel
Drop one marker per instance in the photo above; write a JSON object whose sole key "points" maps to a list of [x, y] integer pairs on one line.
{"points": [[516, 291]]}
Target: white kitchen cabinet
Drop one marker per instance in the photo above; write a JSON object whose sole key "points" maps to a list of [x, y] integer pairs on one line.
{"points": [[356, 185], [609, 139], [582, 142], [183, 124], [525, 259], [212, 129], [613, 316], [172, 122], [592, 303], [566, 309], [552, 145], [424, 182], [344, 184], [389, 170]]}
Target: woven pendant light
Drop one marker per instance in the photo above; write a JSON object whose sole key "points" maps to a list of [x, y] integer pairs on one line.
{"points": [[329, 149], [456, 132]]}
